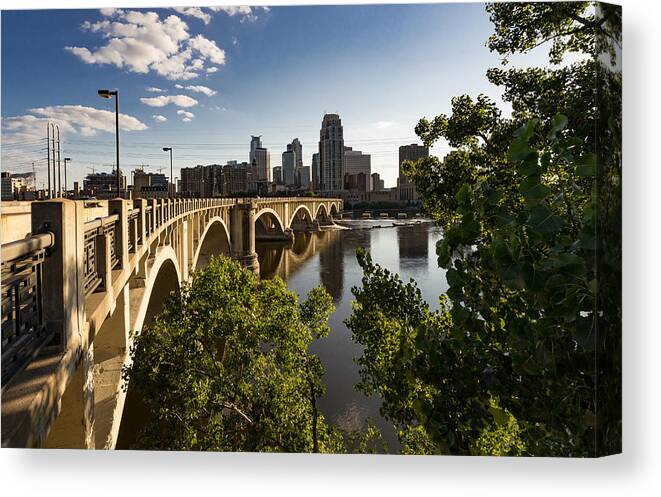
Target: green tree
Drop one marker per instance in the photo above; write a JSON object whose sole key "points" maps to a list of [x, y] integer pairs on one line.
{"points": [[225, 366], [524, 354]]}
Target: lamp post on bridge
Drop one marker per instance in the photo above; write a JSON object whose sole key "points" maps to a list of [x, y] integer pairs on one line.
{"points": [[110, 94], [169, 149]]}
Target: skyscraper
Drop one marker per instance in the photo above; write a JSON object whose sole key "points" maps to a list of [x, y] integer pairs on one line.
{"points": [[331, 153], [298, 150], [260, 164], [407, 190], [255, 143], [357, 170], [316, 175], [277, 175], [289, 167], [304, 177]]}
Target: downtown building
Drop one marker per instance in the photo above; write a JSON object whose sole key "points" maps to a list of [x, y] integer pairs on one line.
{"points": [[216, 180], [331, 154], [149, 185], [406, 189], [315, 172], [260, 161], [357, 170], [103, 185]]}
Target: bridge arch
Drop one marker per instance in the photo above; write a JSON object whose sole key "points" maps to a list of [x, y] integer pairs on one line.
{"points": [[116, 414], [214, 240], [301, 217], [265, 212], [321, 207], [269, 225]]}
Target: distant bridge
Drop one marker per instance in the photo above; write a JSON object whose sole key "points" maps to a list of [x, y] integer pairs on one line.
{"points": [[75, 288]]}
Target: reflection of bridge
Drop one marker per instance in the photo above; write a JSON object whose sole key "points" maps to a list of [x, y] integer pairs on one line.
{"points": [[73, 290], [284, 260]]}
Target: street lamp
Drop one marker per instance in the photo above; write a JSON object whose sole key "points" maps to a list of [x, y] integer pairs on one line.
{"points": [[169, 149], [110, 94], [66, 159]]}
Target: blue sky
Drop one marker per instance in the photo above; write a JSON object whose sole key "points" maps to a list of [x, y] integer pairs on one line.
{"points": [[275, 72]]}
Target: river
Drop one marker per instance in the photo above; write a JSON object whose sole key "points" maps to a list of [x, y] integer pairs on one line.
{"points": [[329, 258]]}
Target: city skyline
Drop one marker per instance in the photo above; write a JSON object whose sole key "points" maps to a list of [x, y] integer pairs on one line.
{"points": [[204, 80]]}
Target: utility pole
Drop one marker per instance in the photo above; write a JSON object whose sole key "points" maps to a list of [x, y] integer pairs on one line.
{"points": [[66, 159], [48, 157]]}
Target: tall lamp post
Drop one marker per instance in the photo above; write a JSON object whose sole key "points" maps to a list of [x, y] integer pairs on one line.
{"points": [[110, 94], [169, 149], [66, 159]]}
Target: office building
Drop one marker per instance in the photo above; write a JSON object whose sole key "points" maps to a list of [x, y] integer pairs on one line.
{"points": [[103, 185], [234, 178], [357, 170], [277, 175], [149, 185], [315, 171], [297, 148], [413, 152], [377, 183], [331, 153], [289, 167], [261, 165], [17, 186], [255, 143], [304, 179]]}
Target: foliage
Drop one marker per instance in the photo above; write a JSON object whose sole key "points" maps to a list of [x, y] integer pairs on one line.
{"points": [[226, 366], [530, 207]]}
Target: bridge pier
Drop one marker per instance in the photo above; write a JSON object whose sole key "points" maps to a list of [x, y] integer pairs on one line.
{"points": [[242, 235]]}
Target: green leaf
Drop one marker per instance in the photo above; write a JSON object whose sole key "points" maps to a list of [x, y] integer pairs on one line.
{"points": [[586, 166], [532, 189], [520, 150], [544, 221], [558, 123]]}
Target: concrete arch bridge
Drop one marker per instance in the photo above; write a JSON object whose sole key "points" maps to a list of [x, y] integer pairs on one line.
{"points": [[75, 288]]}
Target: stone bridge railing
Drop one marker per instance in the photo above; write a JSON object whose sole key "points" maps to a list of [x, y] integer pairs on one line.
{"points": [[61, 285]]}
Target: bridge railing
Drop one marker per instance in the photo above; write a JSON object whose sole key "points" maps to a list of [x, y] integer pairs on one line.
{"points": [[23, 329]]}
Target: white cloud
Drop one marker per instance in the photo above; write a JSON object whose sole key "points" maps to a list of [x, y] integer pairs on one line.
{"points": [[212, 69], [187, 116], [110, 11], [153, 89], [200, 89], [244, 11], [385, 124], [208, 49], [163, 100], [159, 118], [76, 119], [194, 12], [142, 42]]}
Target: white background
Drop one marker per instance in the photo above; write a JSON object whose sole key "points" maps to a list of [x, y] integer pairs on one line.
{"points": [[636, 472]]}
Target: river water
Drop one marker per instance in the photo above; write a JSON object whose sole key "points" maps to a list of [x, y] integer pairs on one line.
{"points": [[329, 258]]}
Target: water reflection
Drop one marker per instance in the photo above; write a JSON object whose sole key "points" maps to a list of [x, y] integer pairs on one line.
{"points": [[328, 258]]}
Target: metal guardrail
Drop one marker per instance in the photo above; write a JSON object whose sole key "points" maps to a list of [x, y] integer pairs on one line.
{"points": [[23, 329]]}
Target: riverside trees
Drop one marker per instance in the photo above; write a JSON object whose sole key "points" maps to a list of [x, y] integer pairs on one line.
{"points": [[523, 356]]}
